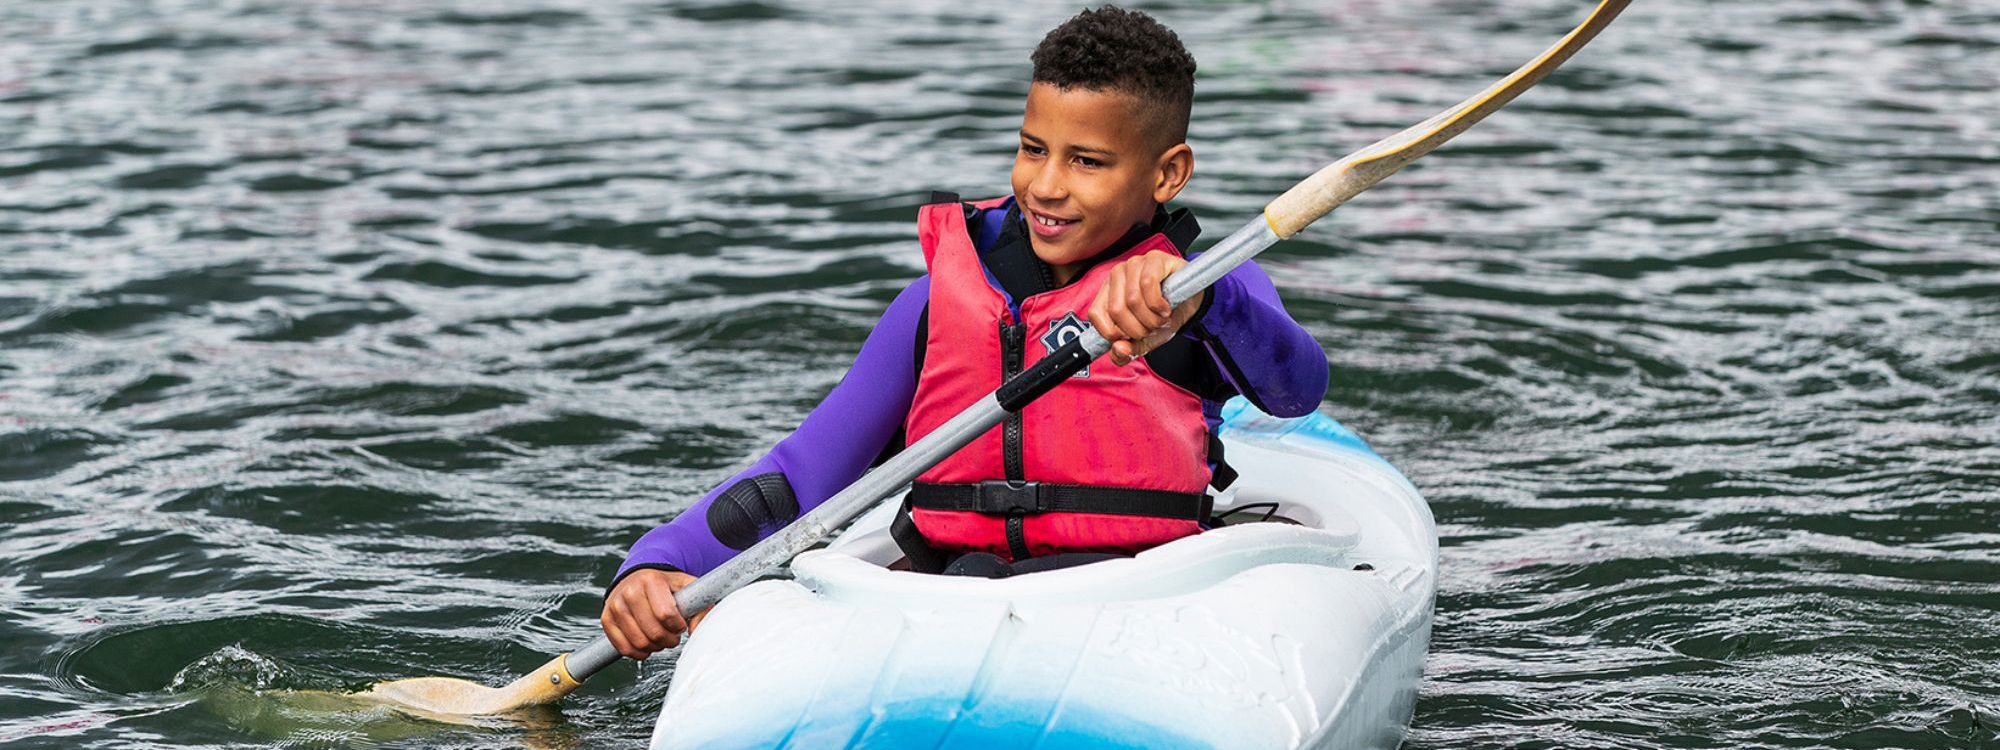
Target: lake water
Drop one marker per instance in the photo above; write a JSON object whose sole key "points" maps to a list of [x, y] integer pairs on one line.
{"points": [[350, 340]]}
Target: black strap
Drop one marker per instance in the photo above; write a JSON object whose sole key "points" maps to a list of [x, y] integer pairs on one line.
{"points": [[1013, 352], [923, 557], [1225, 474], [1017, 536], [923, 339], [1000, 497]]}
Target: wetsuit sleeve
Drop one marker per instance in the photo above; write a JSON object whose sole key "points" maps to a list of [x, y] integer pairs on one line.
{"points": [[835, 444], [1264, 354]]}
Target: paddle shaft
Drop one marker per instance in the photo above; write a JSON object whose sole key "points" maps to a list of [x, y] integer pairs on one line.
{"points": [[1287, 215]]}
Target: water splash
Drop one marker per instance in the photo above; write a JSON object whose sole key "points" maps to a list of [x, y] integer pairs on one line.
{"points": [[229, 666]]}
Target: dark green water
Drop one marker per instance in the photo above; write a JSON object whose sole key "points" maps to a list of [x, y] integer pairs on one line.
{"points": [[350, 340]]}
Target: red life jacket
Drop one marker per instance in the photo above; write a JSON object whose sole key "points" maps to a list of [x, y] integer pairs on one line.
{"points": [[1115, 459]]}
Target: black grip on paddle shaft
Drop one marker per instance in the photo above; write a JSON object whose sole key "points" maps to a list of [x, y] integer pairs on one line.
{"points": [[1047, 373]]}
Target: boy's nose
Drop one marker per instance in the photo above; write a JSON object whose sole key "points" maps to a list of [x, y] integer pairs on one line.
{"points": [[1048, 184]]}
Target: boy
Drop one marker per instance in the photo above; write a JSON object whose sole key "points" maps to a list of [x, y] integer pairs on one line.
{"points": [[1115, 460]]}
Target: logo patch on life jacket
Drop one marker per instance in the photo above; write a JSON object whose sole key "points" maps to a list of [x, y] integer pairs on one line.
{"points": [[1062, 332]]}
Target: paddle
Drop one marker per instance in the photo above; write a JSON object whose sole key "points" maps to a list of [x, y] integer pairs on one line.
{"points": [[1284, 217]]}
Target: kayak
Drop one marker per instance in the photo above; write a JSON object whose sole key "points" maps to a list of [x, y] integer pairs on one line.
{"points": [[1302, 622]]}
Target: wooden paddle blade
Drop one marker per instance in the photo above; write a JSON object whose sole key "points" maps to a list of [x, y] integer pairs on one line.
{"points": [[1342, 180], [450, 696]]}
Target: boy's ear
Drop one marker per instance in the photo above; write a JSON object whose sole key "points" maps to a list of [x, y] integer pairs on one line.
{"points": [[1172, 171]]}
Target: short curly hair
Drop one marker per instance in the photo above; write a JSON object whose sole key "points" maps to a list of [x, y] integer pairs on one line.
{"points": [[1126, 51]]}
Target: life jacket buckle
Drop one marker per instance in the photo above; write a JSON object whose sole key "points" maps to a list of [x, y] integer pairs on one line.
{"points": [[1009, 498]]}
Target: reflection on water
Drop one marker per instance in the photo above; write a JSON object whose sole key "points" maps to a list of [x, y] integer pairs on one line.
{"points": [[348, 341]]}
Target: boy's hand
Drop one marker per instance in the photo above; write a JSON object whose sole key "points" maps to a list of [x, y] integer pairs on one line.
{"points": [[1130, 311], [640, 617]]}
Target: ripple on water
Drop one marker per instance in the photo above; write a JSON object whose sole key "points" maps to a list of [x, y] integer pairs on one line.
{"points": [[36, 453]]}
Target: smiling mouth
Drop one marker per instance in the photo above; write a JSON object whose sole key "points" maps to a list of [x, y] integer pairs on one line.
{"points": [[1048, 221]]}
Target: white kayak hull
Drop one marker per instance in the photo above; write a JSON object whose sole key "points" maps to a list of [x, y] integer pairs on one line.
{"points": [[1256, 635]]}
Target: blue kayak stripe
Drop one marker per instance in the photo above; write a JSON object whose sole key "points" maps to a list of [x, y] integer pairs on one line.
{"points": [[1079, 728], [1238, 414]]}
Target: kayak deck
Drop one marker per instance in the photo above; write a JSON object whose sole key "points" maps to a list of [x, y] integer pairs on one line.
{"points": [[1252, 635]]}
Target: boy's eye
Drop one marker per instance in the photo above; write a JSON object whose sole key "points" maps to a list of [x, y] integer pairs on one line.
{"points": [[1031, 150], [1088, 162]]}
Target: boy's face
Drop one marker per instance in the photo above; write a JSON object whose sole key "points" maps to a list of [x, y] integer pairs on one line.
{"points": [[1087, 170]]}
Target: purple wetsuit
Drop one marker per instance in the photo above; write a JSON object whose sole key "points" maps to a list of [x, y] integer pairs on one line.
{"points": [[1243, 342]]}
